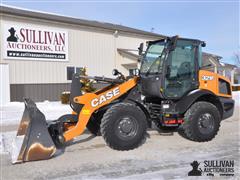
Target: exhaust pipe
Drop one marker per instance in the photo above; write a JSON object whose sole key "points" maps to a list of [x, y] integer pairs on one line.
{"points": [[33, 141]]}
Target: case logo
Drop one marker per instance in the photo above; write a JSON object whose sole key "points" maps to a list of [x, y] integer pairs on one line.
{"points": [[103, 98]]}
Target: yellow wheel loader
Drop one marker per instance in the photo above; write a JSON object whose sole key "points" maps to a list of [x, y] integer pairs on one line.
{"points": [[171, 89]]}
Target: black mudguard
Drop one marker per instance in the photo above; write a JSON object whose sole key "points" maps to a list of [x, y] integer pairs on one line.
{"points": [[224, 105], [186, 101]]}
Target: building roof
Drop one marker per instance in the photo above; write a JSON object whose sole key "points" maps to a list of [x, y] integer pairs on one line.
{"points": [[129, 52], [132, 53], [230, 66], [72, 20], [130, 65], [213, 57]]}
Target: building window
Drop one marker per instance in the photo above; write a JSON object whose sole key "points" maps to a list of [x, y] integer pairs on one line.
{"points": [[70, 72], [236, 76], [132, 72]]}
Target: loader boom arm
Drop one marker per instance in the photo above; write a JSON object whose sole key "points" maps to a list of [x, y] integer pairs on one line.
{"points": [[93, 101]]}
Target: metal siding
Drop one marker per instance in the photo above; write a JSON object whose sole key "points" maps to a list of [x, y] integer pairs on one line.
{"points": [[128, 42], [91, 48], [88, 47], [1, 32]]}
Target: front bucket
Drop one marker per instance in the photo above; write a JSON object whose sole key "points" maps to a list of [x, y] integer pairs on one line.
{"points": [[33, 141]]}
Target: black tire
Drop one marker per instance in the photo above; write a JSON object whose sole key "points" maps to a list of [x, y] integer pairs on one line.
{"points": [[93, 124], [201, 122], [124, 126]]}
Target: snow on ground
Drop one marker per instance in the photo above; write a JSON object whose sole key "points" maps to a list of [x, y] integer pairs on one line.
{"points": [[236, 97], [6, 140], [88, 157], [12, 112]]}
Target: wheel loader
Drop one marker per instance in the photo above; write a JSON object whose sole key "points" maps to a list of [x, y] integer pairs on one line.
{"points": [[172, 89]]}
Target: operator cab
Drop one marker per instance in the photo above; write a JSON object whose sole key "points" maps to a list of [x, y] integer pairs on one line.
{"points": [[169, 67]]}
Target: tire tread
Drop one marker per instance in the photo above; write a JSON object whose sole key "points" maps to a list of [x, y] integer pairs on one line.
{"points": [[104, 127], [189, 118]]}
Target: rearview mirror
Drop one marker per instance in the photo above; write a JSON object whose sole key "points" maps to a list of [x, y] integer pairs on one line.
{"points": [[203, 44], [140, 49]]}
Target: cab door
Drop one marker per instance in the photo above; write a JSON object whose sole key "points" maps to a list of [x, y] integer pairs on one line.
{"points": [[181, 69]]}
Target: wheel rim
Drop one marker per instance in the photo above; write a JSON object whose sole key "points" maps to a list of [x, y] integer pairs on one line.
{"points": [[126, 128], [206, 123]]}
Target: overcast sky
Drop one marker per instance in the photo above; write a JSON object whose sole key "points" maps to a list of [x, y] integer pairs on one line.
{"points": [[216, 22]]}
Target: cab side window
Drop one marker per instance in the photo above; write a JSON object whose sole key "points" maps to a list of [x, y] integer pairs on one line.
{"points": [[180, 69]]}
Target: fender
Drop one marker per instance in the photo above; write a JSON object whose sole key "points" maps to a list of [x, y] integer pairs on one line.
{"points": [[134, 97], [186, 101]]}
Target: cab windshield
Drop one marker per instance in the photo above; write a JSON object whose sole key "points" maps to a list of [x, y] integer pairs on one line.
{"points": [[153, 58]]}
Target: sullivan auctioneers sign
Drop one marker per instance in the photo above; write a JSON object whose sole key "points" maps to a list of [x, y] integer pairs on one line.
{"points": [[28, 42]]}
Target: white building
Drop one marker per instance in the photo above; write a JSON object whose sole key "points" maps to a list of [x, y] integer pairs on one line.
{"points": [[39, 51]]}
